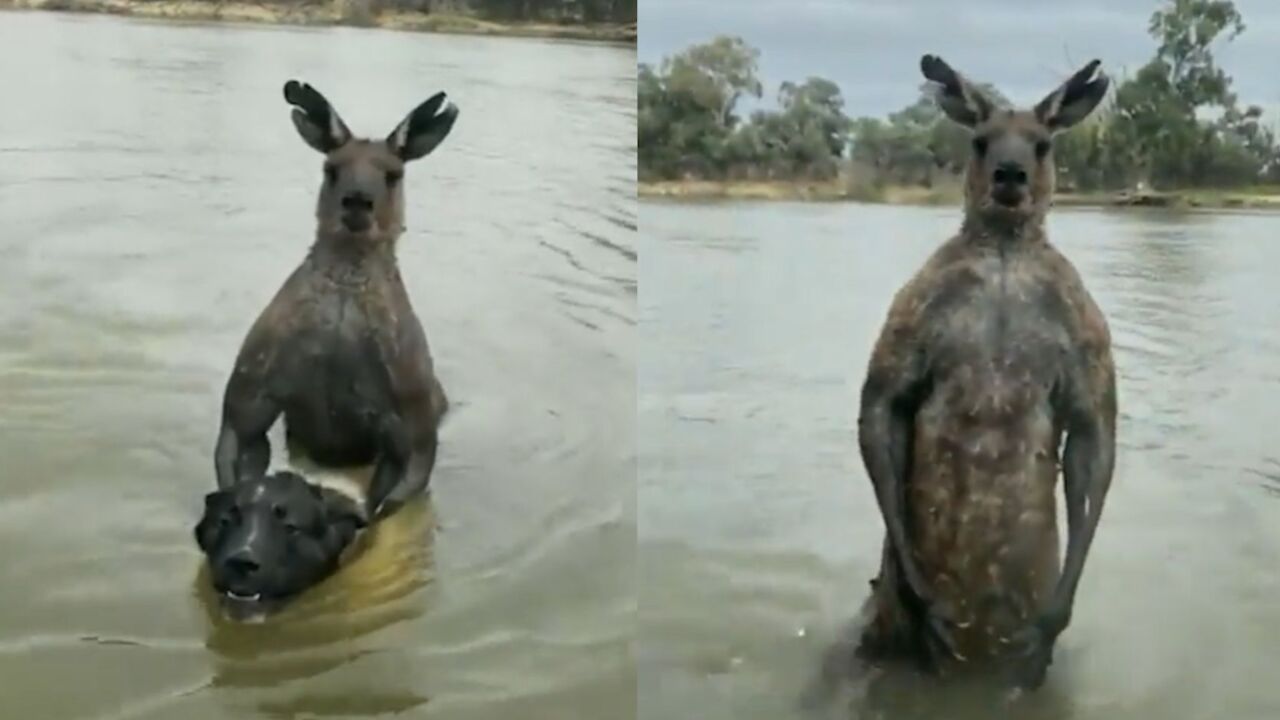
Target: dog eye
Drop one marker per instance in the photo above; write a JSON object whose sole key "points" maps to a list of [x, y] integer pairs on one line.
{"points": [[394, 176], [331, 173], [228, 518], [1042, 148], [279, 512], [980, 145]]}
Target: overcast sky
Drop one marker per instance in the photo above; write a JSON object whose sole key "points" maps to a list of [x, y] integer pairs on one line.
{"points": [[872, 48]]}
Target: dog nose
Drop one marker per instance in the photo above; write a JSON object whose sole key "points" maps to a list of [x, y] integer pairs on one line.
{"points": [[1010, 173], [241, 566], [357, 201]]}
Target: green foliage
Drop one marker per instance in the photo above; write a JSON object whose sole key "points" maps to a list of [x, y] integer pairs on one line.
{"points": [[589, 12], [1176, 123], [715, 76], [585, 11], [689, 125], [1185, 30], [915, 145]]}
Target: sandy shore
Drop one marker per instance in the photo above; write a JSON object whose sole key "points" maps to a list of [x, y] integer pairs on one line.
{"points": [[835, 191], [332, 13]]}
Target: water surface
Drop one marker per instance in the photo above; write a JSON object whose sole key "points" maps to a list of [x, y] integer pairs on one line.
{"points": [[154, 195], [759, 529]]}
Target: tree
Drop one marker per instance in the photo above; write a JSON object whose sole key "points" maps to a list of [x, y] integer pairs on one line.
{"points": [[672, 128], [917, 142], [586, 11], [715, 75], [1174, 123], [1158, 111], [687, 108], [817, 107], [1185, 30]]}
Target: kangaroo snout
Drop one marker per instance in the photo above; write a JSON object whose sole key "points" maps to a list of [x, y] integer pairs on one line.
{"points": [[357, 211], [1009, 173], [357, 201]]}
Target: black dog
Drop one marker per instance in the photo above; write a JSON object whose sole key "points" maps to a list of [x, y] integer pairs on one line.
{"points": [[269, 539]]}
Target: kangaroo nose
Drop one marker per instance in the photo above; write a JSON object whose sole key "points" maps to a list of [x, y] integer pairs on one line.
{"points": [[357, 201], [241, 566], [1010, 173]]}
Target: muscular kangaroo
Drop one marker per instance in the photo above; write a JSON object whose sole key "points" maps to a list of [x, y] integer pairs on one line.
{"points": [[990, 355], [339, 351]]}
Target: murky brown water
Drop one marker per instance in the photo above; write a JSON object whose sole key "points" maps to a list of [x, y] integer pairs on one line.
{"points": [[153, 196], [759, 529]]}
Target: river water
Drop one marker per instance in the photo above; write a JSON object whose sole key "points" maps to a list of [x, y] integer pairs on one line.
{"points": [[154, 195], [759, 529]]}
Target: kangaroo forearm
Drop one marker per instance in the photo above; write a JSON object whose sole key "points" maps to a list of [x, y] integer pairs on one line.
{"points": [[1086, 479], [883, 439], [225, 457], [238, 458]]}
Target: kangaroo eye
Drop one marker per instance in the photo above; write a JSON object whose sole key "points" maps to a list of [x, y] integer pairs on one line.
{"points": [[394, 176], [331, 173], [1042, 148], [980, 145]]}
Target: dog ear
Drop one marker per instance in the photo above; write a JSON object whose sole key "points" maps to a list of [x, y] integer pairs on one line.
{"points": [[343, 517], [336, 508], [215, 504], [341, 509]]}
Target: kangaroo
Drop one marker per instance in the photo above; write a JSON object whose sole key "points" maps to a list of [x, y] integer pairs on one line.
{"points": [[339, 351], [989, 356]]}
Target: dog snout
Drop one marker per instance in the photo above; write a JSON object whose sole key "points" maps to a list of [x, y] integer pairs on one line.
{"points": [[241, 566]]}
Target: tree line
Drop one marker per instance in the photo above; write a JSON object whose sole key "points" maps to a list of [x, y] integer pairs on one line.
{"points": [[586, 11], [550, 11], [1175, 123]]}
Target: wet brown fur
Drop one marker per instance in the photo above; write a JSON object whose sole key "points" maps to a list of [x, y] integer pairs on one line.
{"points": [[339, 350], [990, 355]]}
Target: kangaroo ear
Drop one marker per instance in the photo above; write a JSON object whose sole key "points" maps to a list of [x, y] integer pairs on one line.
{"points": [[1074, 99], [423, 129], [316, 120], [958, 98]]}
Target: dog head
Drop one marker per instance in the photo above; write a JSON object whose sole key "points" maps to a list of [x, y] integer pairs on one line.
{"points": [[267, 540]]}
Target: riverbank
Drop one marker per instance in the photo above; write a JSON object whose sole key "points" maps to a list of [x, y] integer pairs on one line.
{"points": [[1264, 198], [337, 12]]}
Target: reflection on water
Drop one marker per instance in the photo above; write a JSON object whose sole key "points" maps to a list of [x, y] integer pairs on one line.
{"points": [[154, 197], [845, 688], [760, 530]]}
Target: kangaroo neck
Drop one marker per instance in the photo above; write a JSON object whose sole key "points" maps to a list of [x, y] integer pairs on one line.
{"points": [[347, 259], [1003, 234]]}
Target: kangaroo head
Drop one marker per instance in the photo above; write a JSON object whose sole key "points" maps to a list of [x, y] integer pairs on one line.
{"points": [[362, 196], [1010, 175]]}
